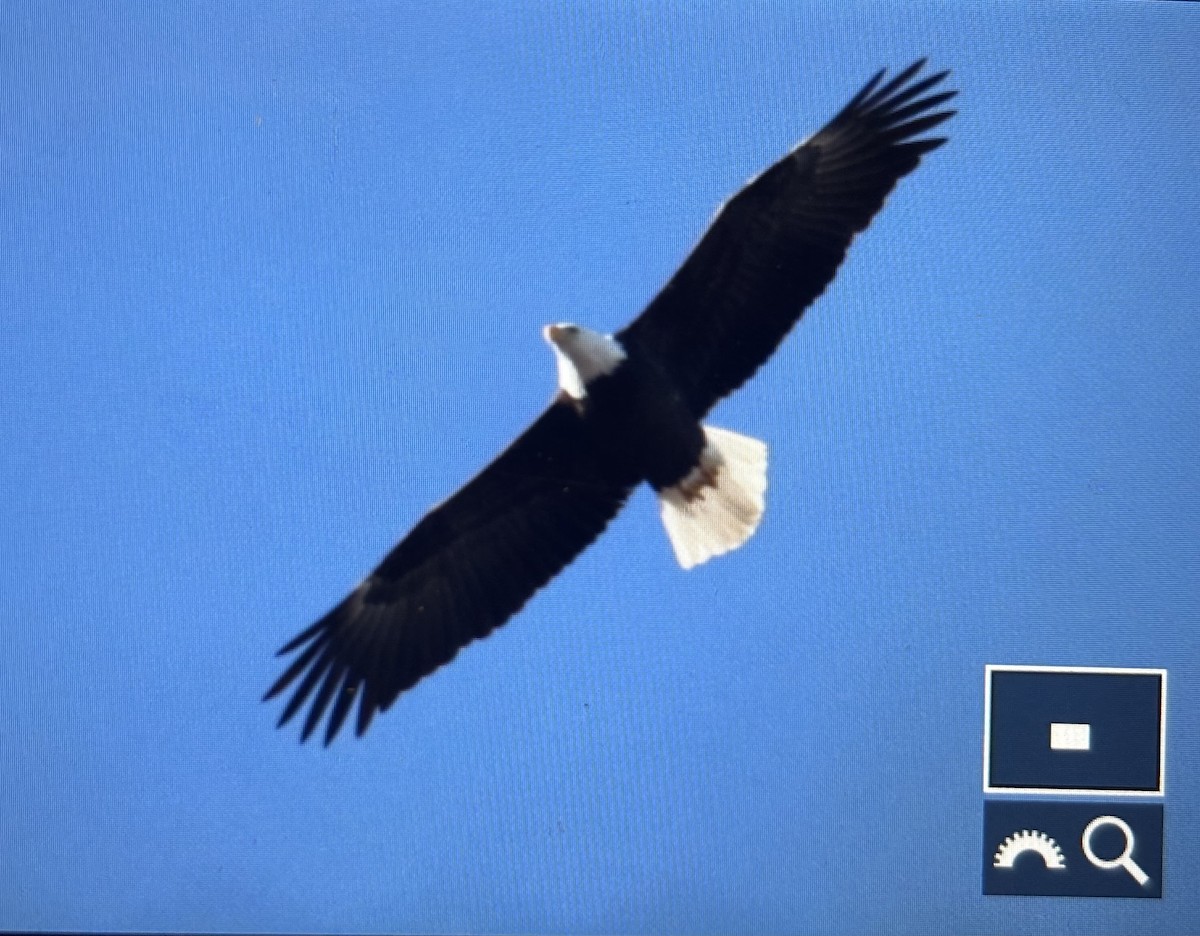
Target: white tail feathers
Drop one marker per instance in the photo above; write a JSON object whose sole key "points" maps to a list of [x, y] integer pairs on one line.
{"points": [[718, 506]]}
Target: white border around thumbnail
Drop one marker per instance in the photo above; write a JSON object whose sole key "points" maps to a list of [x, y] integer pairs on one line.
{"points": [[990, 668]]}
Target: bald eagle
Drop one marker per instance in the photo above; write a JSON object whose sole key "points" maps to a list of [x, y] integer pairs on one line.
{"points": [[628, 409]]}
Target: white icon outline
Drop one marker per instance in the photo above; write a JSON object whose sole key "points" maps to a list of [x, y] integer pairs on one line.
{"points": [[1029, 840], [1070, 736], [989, 787], [1123, 860]]}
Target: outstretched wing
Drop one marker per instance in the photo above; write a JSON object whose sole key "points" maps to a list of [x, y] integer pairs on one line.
{"points": [[775, 246], [465, 569]]}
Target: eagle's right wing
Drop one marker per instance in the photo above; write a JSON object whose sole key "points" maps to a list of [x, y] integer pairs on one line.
{"points": [[465, 569]]}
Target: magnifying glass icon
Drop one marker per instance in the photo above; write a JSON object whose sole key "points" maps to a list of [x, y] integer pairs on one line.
{"points": [[1123, 860]]}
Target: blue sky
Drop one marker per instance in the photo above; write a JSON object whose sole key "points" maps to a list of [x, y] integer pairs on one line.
{"points": [[273, 281]]}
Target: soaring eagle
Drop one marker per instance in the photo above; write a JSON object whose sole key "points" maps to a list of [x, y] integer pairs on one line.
{"points": [[628, 409]]}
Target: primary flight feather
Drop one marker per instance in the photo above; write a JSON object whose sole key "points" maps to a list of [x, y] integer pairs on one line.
{"points": [[628, 409]]}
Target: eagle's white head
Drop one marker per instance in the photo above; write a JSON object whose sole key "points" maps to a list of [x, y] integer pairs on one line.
{"points": [[582, 355]]}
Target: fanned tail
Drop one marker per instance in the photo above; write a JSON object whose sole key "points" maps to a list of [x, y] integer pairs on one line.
{"points": [[719, 505]]}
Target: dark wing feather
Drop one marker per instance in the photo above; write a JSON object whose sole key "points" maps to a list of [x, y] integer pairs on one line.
{"points": [[775, 246], [465, 569]]}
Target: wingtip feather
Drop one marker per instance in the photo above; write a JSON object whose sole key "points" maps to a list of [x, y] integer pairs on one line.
{"points": [[897, 82], [865, 91], [346, 694], [301, 638]]}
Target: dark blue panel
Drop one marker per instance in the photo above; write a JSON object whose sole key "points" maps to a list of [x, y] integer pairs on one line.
{"points": [[1037, 848], [1122, 710]]}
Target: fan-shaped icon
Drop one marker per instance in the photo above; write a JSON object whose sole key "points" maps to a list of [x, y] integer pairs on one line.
{"points": [[1030, 840]]}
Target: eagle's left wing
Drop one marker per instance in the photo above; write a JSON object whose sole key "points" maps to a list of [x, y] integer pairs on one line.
{"points": [[775, 246]]}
